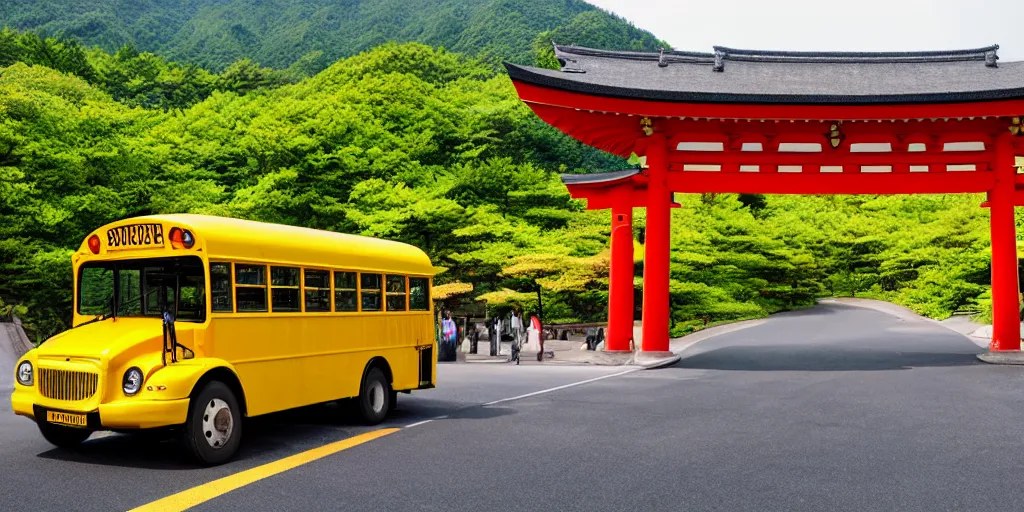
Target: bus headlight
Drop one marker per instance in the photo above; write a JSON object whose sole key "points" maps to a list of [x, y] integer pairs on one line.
{"points": [[132, 382], [25, 374]]}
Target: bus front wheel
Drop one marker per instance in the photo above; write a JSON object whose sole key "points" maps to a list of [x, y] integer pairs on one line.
{"points": [[374, 397], [63, 437], [213, 430]]}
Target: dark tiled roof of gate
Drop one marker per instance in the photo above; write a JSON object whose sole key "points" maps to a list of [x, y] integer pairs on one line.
{"points": [[599, 177], [749, 76]]}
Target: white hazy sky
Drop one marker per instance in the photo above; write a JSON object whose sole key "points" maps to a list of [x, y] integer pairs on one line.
{"points": [[856, 25]]}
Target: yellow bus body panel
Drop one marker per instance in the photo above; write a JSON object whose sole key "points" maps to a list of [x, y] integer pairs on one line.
{"points": [[281, 360]]}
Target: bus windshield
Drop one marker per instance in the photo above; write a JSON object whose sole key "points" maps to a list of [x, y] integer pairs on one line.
{"points": [[144, 287]]}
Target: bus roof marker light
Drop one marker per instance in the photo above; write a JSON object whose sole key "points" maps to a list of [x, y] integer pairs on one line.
{"points": [[94, 244], [175, 237], [182, 238]]}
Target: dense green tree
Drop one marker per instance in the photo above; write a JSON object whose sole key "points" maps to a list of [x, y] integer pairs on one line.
{"points": [[66, 55]]}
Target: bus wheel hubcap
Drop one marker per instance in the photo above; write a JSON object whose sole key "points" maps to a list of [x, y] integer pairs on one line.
{"points": [[377, 397], [217, 423]]}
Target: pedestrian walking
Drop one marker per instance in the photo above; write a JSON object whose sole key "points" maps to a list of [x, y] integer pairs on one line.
{"points": [[497, 329], [538, 330], [517, 326], [448, 335]]}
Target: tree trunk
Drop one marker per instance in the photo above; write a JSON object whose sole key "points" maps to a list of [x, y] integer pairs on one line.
{"points": [[540, 316], [540, 307]]}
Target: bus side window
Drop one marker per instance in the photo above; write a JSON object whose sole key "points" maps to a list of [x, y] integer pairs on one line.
{"points": [[345, 292], [317, 286], [419, 294], [395, 293], [220, 287], [369, 291], [284, 290], [251, 288]]}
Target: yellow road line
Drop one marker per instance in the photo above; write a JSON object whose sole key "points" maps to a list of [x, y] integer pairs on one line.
{"points": [[205, 492]]}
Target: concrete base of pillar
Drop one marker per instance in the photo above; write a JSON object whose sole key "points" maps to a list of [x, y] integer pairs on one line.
{"points": [[1003, 357], [653, 354], [655, 359]]}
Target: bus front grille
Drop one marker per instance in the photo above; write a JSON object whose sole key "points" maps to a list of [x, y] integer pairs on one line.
{"points": [[67, 385]]}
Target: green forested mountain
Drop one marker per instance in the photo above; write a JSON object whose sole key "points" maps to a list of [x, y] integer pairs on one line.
{"points": [[277, 33]]}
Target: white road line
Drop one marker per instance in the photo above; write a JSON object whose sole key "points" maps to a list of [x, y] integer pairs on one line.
{"points": [[418, 423], [535, 393], [541, 392]]}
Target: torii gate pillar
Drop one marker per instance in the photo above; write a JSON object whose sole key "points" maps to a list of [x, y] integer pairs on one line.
{"points": [[1005, 306], [656, 247], [620, 280]]}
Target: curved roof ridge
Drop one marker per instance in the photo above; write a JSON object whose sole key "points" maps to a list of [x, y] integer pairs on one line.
{"points": [[985, 53], [970, 52], [630, 54]]}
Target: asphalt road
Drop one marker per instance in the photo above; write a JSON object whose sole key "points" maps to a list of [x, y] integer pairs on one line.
{"points": [[834, 408]]}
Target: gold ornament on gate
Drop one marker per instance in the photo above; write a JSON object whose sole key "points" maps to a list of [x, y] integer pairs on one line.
{"points": [[1015, 126], [647, 126], [835, 137]]}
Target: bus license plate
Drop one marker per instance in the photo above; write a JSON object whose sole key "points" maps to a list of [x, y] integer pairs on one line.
{"points": [[135, 236], [64, 418]]}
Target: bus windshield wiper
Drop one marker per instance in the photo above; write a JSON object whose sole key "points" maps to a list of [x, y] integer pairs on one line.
{"points": [[112, 312], [99, 318]]}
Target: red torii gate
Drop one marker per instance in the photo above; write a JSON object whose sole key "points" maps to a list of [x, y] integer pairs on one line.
{"points": [[742, 121]]}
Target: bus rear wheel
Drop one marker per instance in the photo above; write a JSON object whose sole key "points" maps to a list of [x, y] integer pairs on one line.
{"points": [[63, 437], [213, 430], [374, 397]]}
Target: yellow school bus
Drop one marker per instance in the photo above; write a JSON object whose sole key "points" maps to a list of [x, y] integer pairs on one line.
{"points": [[196, 322]]}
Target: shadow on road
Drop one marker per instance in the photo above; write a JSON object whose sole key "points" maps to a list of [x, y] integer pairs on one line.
{"points": [[780, 358], [481, 413], [815, 311], [142, 451], [266, 438]]}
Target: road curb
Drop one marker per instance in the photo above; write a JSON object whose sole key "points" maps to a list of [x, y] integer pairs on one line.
{"points": [[15, 338], [1014, 357], [660, 362]]}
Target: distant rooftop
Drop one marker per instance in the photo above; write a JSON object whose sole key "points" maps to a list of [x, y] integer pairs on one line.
{"points": [[730, 75]]}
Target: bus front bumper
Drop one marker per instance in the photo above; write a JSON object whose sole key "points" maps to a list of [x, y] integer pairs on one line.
{"points": [[123, 414], [144, 413]]}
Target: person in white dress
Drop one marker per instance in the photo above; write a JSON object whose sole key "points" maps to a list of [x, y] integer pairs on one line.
{"points": [[517, 327]]}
